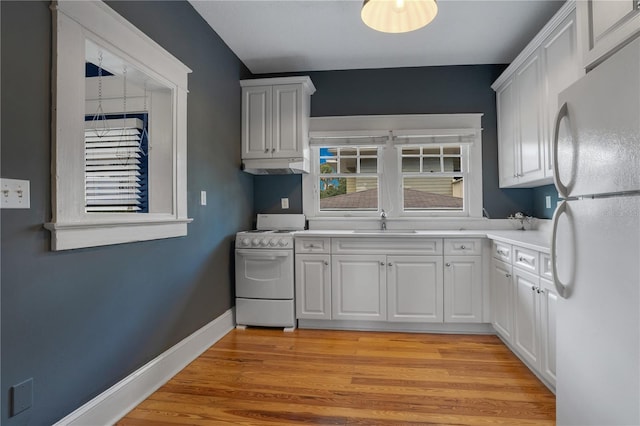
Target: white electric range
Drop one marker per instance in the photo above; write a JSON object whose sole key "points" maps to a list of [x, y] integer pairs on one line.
{"points": [[264, 272]]}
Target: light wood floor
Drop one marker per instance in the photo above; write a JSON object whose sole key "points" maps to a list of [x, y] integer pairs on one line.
{"points": [[268, 377]]}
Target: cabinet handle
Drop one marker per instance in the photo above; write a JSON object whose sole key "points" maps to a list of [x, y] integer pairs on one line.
{"points": [[533, 288], [266, 150], [502, 252], [326, 263], [507, 275], [462, 247], [390, 264], [448, 265], [381, 263], [524, 259], [273, 150], [541, 291]]}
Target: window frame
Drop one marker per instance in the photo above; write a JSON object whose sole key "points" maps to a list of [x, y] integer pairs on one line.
{"points": [[463, 130], [73, 24]]}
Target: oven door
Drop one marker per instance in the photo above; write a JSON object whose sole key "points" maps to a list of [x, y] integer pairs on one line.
{"points": [[264, 274]]}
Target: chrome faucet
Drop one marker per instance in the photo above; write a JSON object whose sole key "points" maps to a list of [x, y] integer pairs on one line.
{"points": [[383, 220]]}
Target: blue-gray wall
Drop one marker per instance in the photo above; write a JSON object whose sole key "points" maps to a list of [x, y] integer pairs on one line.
{"points": [[421, 90], [539, 201], [79, 321]]}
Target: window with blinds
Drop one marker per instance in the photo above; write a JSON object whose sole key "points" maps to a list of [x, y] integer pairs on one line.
{"points": [[116, 164]]}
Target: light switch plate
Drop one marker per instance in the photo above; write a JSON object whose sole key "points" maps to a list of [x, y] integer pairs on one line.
{"points": [[15, 194], [203, 198], [21, 396], [284, 202], [548, 201]]}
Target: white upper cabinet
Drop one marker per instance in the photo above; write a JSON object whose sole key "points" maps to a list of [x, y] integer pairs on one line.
{"points": [[561, 66], [529, 141], [275, 117], [605, 26], [527, 101]]}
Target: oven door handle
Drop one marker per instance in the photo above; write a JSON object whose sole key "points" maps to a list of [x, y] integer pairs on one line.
{"points": [[267, 255]]}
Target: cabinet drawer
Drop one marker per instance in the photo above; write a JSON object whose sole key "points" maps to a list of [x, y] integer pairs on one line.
{"points": [[545, 266], [386, 245], [525, 259], [463, 246], [313, 245], [502, 251]]}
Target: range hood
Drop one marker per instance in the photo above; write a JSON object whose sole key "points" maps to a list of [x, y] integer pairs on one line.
{"points": [[276, 166]]}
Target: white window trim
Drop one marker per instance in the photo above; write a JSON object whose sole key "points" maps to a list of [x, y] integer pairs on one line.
{"points": [[71, 227], [431, 125]]}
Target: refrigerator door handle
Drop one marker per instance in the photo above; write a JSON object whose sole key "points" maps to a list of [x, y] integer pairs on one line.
{"points": [[561, 288], [563, 112]]}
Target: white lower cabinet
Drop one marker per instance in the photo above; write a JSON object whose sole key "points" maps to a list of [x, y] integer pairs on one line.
{"points": [[359, 287], [523, 312], [463, 289], [390, 280], [415, 288], [548, 304], [313, 286], [526, 334], [501, 296]]}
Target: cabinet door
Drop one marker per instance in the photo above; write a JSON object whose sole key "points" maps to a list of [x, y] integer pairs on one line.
{"points": [[359, 287], [548, 304], [605, 25], [525, 325], [562, 68], [313, 286], [414, 288], [463, 289], [256, 122], [529, 147], [287, 121], [502, 300], [507, 134]]}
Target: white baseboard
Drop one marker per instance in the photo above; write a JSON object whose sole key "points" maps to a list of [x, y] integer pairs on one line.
{"points": [[114, 403], [408, 327]]}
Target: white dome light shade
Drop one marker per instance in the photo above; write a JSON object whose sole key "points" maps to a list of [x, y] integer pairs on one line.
{"points": [[398, 16]]}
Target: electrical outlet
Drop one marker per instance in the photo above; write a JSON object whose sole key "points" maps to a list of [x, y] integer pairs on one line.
{"points": [[14, 193], [284, 202], [21, 396], [548, 201]]}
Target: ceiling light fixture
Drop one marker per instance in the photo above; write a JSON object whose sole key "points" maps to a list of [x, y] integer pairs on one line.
{"points": [[398, 16]]}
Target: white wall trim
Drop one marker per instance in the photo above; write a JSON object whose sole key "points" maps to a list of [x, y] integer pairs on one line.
{"points": [[114, 403]]}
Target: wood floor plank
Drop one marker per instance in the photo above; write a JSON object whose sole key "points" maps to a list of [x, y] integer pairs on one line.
{"points": [[268, 377]]}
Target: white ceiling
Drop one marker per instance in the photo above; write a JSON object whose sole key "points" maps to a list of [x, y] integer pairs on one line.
{"points": [[312, 35]]}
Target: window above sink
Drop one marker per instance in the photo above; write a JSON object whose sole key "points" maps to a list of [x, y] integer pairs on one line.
{"points": [[410, 166]]}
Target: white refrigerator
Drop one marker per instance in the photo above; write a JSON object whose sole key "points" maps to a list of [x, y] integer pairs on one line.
{"points": [[596, 245]]}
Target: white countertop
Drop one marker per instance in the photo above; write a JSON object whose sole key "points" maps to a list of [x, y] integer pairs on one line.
{"points": [[534, 240]]}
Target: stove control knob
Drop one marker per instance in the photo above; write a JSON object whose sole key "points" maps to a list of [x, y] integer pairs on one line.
{"points": [[245, 242], [263, 242], [255, 242], [272, 242], [283, 243]]}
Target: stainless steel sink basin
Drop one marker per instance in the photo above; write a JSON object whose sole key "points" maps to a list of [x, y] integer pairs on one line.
{"points": [[386, 231]]}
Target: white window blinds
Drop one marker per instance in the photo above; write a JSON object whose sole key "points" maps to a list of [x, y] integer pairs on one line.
{"points": [[116, 165]]}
